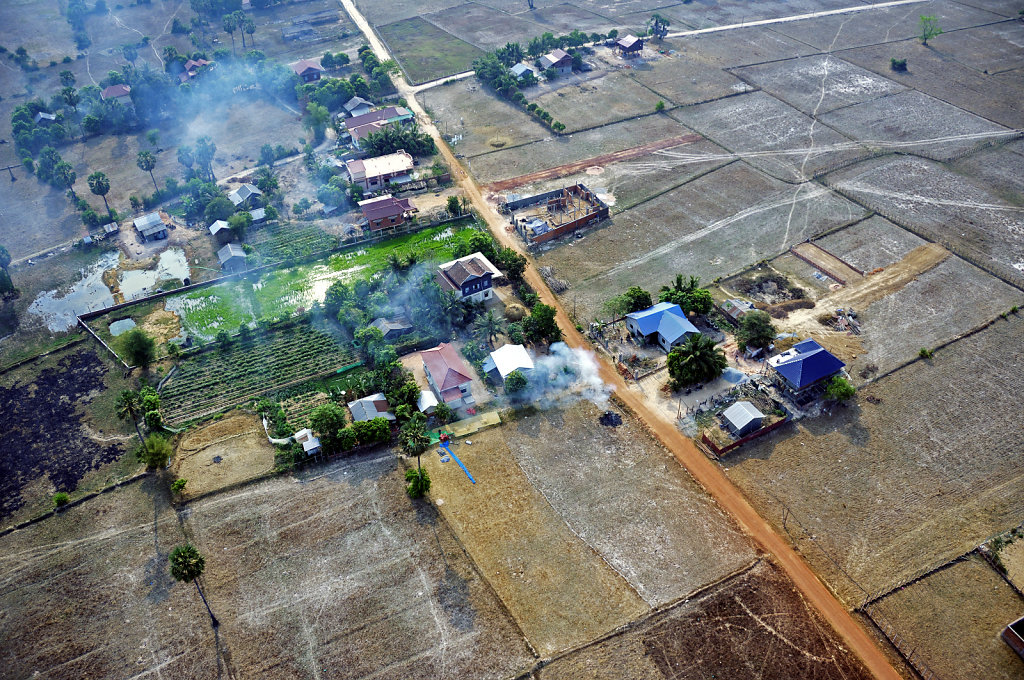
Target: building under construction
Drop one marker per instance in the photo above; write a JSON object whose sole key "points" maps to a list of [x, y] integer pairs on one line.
{"points": [[546, 216]]}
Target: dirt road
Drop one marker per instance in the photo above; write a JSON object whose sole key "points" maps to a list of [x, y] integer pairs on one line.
{"points": [[703, 470], [572, 168]]}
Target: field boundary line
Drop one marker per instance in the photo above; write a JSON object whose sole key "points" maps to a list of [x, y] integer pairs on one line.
{"points": [[888, 631], [1002, 574], [674, 187], [22, 362]]}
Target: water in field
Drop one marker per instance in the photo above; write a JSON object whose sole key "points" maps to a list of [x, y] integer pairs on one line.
{"points": [[121, 326], [58, 308], [141, 282]]}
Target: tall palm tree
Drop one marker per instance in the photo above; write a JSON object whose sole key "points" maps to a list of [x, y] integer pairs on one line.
{"points": [[697, 360], [230, 24], [147, 161], [188, 565], [129, 405], [487, 327], [100, 185]]}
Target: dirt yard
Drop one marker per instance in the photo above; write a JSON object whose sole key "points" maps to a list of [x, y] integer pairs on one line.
{"points": [[336, 572], [898, 485], [953, 619], [752, 625], [222, 453]]}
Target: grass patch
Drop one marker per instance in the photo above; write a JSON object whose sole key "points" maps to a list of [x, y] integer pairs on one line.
{"points": [[426, 52]]}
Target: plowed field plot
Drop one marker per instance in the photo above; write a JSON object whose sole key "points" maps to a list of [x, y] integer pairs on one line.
{"points": [[739, 47], [753, 625], [559, 591], [338, 573], [953, 619], [1000, 170], [889, 24], [934, 72], [485, 122], [596, 102], [709, 227], [819, 84], [990, 49], [892, 485], [956, 211], [627, 498], [225, 452], [483, 26], [875, 242], [218, 379], [425, 52], [771, 136], [553, 151], [560, 18], [723, 12], [912, 121], [686, 78], [50, 411]]}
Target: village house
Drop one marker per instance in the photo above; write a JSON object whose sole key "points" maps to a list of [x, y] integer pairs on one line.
{"points": [[448, 375], [232, 258], [520, 70], [220, 231], [735, 309], [244, 195], [507, 358], [258, 215], [629, 46], [472, 277], [804, 366], [392, 328], [368, 408], [385, 212], [559, 60], [151, 227], [357, 106], [664, 323], [359, 127], [308, 69], [118, 93], [192, 68], [310, 443], [373, 173], [44, 118], [742, 418]]}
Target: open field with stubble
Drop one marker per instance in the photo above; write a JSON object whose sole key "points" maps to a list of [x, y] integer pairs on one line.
{"points": [[621, 98], [426, 52], [335, 572], [896, 470]]}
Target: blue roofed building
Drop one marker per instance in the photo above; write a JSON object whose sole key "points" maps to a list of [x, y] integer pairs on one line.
{"points": [[804, 366], [665, 324]]}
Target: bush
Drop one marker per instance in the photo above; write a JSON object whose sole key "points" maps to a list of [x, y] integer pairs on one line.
{"points": [[178, 485], [60, 499], [839, 389], [419, 482], [925, 353], [898, 65], [139, 348]]}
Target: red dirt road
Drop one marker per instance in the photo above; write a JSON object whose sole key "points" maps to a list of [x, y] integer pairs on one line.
{"points": [[573, 168]]}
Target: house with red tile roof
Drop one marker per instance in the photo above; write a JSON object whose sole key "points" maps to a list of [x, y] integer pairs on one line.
{"points": [[448, 375]]}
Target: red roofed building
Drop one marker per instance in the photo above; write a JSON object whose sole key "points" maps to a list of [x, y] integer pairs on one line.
{"points": [[386, 211], [118, 93], [192, 69], [448, 375], [308, 69]]}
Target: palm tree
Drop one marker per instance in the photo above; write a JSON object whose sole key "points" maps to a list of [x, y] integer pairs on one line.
{"points": [[249, 26], [230, 23], [147, 161], [128, 406], [100, 185], [188, 565], [697, 360], [488, 327], [413, 436], [64, 177]]}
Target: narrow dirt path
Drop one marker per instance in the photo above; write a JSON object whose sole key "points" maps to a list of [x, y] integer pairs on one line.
{"points": [[577, 166], [706, 473]]}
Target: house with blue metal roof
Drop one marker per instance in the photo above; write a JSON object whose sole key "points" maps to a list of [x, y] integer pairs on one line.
{"points": [[805, 365], [665, 324]]}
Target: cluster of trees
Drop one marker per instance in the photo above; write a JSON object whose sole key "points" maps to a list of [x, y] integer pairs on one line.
{"points": [[145, 403], [241, 22], [55, 171], [7, 289], [548, 41], [76, 14], [380, 72], [391, 138], [332, 61], [686, 293], [494, 70]]}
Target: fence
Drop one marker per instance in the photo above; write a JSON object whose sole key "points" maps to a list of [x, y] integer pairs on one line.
{"points": [[912, 657], [740, 442]]}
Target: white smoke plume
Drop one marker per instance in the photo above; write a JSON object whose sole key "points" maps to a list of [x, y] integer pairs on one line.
{"points": [[565, 376]]}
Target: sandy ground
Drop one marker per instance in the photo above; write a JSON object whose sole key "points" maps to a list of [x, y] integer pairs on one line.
{"points": [[223, 453], [1012, 557]]}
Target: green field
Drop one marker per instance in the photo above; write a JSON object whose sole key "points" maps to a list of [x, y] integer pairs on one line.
{"points": [[221, 378], [425, 52]]}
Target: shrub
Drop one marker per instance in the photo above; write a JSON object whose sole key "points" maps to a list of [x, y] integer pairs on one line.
{"points": [[178, 485], [925, 353], [839, 389], [898, 65], [60, 499], [419, 482]]}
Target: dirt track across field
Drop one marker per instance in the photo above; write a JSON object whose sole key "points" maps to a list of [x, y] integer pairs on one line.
{"points": [[578, 166], [706, 473]]}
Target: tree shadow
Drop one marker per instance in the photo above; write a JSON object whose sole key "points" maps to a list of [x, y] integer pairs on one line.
{"points": [[157, 572], [453, 596]]}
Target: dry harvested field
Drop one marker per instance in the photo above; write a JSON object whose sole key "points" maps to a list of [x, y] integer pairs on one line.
{"points": [[600, 101], [559, 591], [335, 573], [561, 18], [953, 619], [723, 12], [934, 71], [990, 49], [1012, 557], [957, 211], [914, 122], [559, 150], [337, 36], [818, 84], [425, 51], [771, 136], [379, 12], [999, 169], [685, 78], [889, 24], [709, 227], [485, 27], [739, 47], [627, 498], [485, 122], [874, 242], [224, 452], [898, 484], [753, 625]]}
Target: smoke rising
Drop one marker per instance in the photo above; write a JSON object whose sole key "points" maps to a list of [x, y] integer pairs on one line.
{"points": [[564, 377]]}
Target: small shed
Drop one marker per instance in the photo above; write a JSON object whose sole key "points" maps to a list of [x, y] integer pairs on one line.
{"points": [[427, 402], [392, 328], [520, 70], [232, 258], [1013, 635], [151, 227], [742, 418], [357, 106], [44, 118], [368, 408], [220, 231], [111, 228], [508, 358], [258, 215], [309, 441]]}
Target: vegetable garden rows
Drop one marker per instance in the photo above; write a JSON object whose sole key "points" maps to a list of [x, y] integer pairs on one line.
{"points": [[219, 379], [276, 242]]}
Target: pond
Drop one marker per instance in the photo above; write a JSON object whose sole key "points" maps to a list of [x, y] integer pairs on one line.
{"points": [[59, 308], [734, 376], [121, 326], [138, 283]]}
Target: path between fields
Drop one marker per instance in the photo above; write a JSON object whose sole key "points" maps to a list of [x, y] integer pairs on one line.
{"points": [[706, 473], [605, 159]]}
